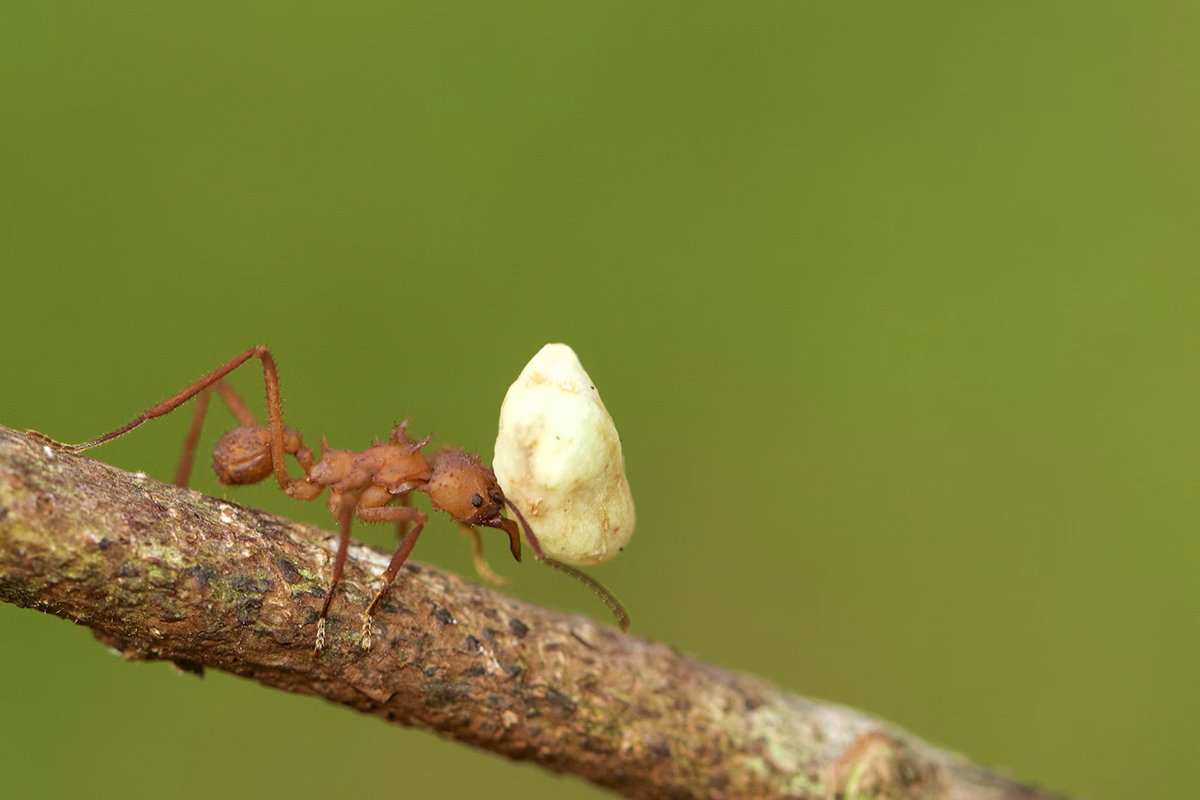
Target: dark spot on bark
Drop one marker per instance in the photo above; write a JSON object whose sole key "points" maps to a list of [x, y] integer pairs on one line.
{"points": [[660, 748], [513, 670], [471, 646], [160, 579], [245, 583], [290, 573], [489, 634], [648, 713], [488, 729], [475, 671], [3, 513], [105, 543], [202, 574], [128, 570], [391, 604], [517, 628], [17, 594], [273, 530], [443, 616], [247, 610], [491, 613], [497, 700], [194, 668], [560, 701], [596, 745], [430, 671], [554, 647], [413, 568], [439, 694], [719, 780], [531, 710], [45, 504]]}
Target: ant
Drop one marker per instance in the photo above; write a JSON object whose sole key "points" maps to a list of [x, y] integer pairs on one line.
{"points": [[373, 484]]}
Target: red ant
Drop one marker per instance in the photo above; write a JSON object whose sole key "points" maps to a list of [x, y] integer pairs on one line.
{"points": [[363, 483]]}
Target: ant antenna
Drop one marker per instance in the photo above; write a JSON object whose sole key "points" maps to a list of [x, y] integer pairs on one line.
{"points": [[533, 540], [607, 597], [614, 605]]}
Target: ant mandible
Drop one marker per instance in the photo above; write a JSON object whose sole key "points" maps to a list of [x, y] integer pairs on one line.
{"points": [[365, 483]]}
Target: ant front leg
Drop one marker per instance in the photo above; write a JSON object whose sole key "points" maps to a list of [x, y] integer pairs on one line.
{"points": [[481, 566]]}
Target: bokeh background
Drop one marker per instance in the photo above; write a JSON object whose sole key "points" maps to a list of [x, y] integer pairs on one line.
{"points": [[896, 308]]}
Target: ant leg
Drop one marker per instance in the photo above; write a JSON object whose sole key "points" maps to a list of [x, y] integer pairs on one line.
{"points": [[243, 414], [402, 524], [345, 517], [188, 457], [389, 514], [481, 565], [237, 406], [176, 400], [274, 413]]}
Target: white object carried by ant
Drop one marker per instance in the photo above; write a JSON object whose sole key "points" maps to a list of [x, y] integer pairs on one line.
{"points": [[559, 460]]}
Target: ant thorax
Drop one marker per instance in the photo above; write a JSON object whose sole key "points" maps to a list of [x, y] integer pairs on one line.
{"points": [[398, 468]]}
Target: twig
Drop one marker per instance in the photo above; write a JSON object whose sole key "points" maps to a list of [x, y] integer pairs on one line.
{"points": [[159, 572]]}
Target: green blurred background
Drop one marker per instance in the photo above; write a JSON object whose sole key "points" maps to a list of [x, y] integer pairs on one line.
{"points": [[896, 309]]}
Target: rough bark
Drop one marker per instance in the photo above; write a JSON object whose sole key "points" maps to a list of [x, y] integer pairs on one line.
{"points": [[159, 572]]}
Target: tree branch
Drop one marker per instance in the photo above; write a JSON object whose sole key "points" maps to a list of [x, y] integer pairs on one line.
{"points": [[159, 572]]}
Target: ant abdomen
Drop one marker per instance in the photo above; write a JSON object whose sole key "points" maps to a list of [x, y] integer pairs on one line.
{"points": [[243, 456]]}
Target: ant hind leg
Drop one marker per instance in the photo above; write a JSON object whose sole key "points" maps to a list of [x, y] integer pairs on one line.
{"points": [[187, 458]]}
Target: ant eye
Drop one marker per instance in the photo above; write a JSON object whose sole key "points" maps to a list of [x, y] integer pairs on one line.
{"points": [[476, 500]]}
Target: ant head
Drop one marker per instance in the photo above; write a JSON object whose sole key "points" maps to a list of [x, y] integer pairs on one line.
{"points": [[466, 489], [463, 487]]}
